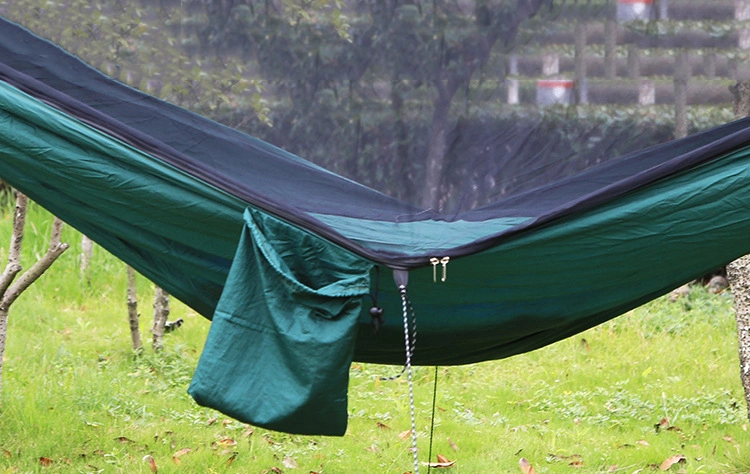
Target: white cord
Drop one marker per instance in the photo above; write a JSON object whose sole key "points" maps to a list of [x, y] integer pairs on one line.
{"points": [[405, 307]]}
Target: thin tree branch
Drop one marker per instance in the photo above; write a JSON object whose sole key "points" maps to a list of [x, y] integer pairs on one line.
{"points": [[14, 253], [135, 334], [87, 251], [161, 313], [56, 249]]}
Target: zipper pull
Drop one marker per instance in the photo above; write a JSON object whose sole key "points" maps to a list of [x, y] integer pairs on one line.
{"points": [[444, 262], [434, 261]]}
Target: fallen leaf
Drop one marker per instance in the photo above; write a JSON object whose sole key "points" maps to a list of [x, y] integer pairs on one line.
{"points": [[45, 461], [211, 421], [526, 467], [585, 345], [613, 468], [442, 461], [269, 440], [576, 464], [404, 434], [178, 454], [671, 461], [664, 425], [224, 443], [642, 442], [227, 422], [182, 452], [453, 445], [290, 463], [232, 458], [151, 462], [123, 439], [6, 453], [729, 439], [382, 426], [248, 432]]}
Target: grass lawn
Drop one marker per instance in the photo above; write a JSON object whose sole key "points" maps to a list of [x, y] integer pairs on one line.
{"points": [[659, 382]]}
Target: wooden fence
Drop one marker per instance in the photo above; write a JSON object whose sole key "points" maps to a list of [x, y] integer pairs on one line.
{"points": [[621, 61]]}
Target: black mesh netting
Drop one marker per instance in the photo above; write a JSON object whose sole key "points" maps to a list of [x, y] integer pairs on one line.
{"points": [[447, 105]]}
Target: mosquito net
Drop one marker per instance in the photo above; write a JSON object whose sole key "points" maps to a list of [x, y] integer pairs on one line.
{"points": [[445, 105]]}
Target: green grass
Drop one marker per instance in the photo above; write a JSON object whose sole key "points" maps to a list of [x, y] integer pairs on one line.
{"points": [[76, 399]]}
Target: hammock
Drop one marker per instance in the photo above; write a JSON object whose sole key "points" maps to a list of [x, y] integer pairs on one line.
{"points": [[287, 258]]}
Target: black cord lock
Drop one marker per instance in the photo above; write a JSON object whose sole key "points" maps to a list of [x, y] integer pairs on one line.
{"points": [[376, 318]]}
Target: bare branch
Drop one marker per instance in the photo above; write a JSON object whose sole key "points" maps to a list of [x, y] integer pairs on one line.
{"points": [[161, 313], [3, 335], [14, 253], [56, 249], [135, 334], [87, 251]]}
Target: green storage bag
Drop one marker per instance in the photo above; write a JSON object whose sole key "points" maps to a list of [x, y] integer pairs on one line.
{"points": [[282, 338]]}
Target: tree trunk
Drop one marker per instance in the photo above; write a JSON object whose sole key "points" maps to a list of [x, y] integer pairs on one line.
{"points": [[505, 28], [437, 148], [16, 240], [3, 333], [87, 250], [135, 333], [10, 291], [738, 274], [738, 271], [681, 77], [161, 313]]}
